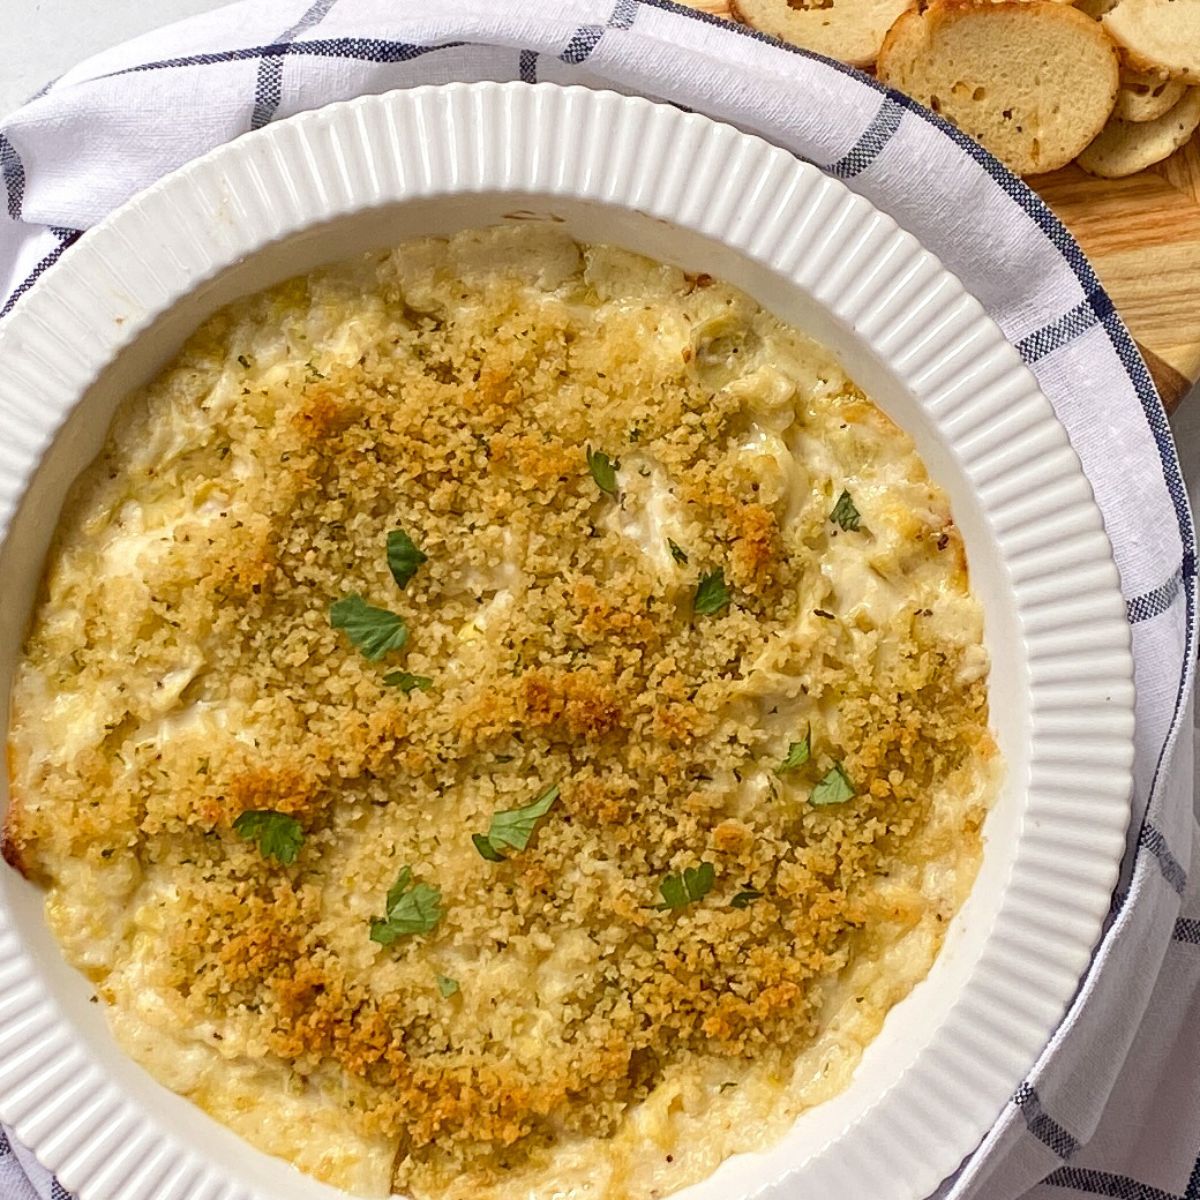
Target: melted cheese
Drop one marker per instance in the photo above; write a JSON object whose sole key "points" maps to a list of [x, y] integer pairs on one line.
{"points": [[121, 697]]}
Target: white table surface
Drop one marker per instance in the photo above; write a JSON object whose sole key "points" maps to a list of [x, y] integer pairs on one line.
{"points": [[45, 37]]}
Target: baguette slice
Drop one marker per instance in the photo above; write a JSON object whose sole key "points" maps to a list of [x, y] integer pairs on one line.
{"points": [[1124, 148], [1158, 35], [1146, 97], [849, 30], [1032, 80]]}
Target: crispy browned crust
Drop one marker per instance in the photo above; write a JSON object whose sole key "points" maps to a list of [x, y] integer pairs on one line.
{"points": [[890, 39], [12, 845], [11, 849], [603, 679]]}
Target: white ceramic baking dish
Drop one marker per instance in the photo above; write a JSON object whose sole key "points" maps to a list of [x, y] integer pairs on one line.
{"points": [[677, 186]]}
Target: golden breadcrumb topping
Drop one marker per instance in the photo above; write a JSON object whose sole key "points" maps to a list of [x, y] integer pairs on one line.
{"points": [[655, 643]]}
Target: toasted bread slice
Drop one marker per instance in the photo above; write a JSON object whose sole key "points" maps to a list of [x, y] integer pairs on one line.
{"points": [[849, 30], [1032, 80], [1158, 35], [1146, 97], [1125, 147]]}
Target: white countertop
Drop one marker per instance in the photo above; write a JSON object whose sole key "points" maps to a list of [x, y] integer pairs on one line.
{"points": [[45, 37]]}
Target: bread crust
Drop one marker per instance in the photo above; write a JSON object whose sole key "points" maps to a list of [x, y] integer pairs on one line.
{"points": [[851, 31], [1126, 147], [962, 58], [1157, 35], [1146, 97]]}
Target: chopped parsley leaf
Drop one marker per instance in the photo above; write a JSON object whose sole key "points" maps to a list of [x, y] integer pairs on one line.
{"points": [[278, 835], [745, 898], [844, 512], [406, 682], [835, 788], [403, 557], [711, 593], [410, 909], [375, 631], [397, 890], [797, 755], [603, 471], [678, 891], [515, 827], [677, 552], [485, 848], [447, 986]]}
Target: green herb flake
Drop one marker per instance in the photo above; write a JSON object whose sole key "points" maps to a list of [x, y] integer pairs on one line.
{"points": [[375, 631], [515, 827], [711, 593], [410, 909], [403, 557], [835, 788], [447, 986], [603, 471], [407, 682], [485, 848], [844, 513], [797, 755], [745, 898], [678, 891], [677, 552], [278, 836], [397, 890]]}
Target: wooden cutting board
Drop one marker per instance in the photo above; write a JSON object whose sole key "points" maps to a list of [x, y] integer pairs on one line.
{"points": [[1142, 235]]}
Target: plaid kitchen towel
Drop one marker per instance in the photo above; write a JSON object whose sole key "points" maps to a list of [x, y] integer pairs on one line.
{"points": [[1112, 1107]]}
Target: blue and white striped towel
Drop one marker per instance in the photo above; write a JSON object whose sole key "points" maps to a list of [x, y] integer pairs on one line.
{"points": [[1112, 1107]]}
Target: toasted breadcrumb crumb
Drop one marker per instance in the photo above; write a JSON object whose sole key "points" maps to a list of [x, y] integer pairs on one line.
{"points": [[449, 389]]}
